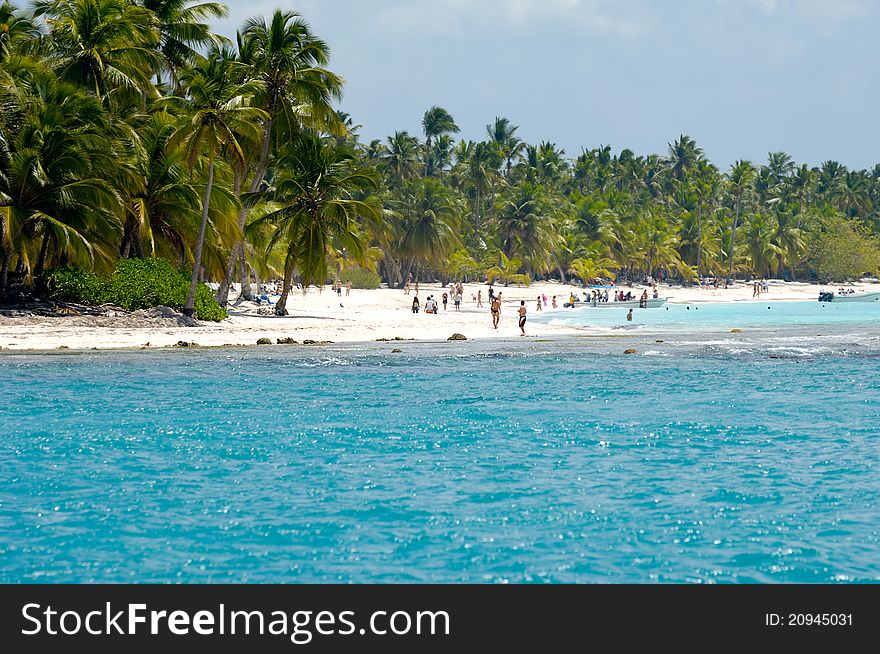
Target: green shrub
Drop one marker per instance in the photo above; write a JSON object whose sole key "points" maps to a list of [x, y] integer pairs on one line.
{"points": [[361, 278], [146, 283], [135, 284], [207, 307], [76, 285]]}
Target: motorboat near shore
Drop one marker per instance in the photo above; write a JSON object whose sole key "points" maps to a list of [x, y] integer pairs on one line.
{"points": [[652, 303], [852, 296]]}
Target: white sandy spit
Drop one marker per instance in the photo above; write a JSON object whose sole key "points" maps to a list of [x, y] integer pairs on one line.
{"points": [[319, 315]]}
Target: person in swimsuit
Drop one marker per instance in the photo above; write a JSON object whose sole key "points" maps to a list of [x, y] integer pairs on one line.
{"points": [[554, 301], [415, 304], [496, 311], [480, 298], [539, 303], [522, 317], [629, 316], [445, 301]]}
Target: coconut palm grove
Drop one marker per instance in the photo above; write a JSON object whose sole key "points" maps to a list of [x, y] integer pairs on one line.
{"points": [[135, 140]]}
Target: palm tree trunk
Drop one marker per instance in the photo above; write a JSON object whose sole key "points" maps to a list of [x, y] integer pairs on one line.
{"points": [[699, 235], [189, 305], [733, 241], [559, 268], [427, 156], [44, 254], [223, 291], [4, 269], [247, 292], [477, 213], [281, 306], [136, 243], [4, 255]]}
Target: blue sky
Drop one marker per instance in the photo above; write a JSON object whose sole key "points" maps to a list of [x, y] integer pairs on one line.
{"points": [[742, 77]]}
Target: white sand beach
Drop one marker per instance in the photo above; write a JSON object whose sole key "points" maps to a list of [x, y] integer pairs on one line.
{"points": [[365, 315]]}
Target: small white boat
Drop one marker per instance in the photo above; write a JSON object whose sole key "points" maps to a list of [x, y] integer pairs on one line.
{"points": [[848, 297]]}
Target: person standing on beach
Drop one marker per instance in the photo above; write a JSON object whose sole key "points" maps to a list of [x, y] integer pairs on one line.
{"points": [[491, 294], [479, 297], [522, 317], [445, 300], [539, 303], [415, 304], [406, 288], [495, 308], [456, 299], [347, 288], [554, 301]]}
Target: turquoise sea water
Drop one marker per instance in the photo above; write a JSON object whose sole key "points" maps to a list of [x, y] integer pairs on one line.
{"points": [[767, 313], [481, 462]]}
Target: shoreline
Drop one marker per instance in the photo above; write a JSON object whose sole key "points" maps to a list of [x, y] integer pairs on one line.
{"points": [[377, 317]]}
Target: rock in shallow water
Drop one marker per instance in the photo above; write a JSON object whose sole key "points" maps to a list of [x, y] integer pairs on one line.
{"points": [[457, 337]]}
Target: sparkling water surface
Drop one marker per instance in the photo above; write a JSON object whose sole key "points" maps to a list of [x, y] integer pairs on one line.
{"points": [[764, 313], [478, 462]]}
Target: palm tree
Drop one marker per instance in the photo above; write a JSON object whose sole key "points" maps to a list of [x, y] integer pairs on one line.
{"points": [[522, 221], [740, 180], [295, 89], [428, 231], [182, 29], [318, 192], [14, 26], [503, 134], [481, 167], [589, 269], [706, 183], [781, 166], [57, 199], [166, 210], [789, 241], [219, 115], [507, 271], [762, 250], [436, 122], [105, 45], [401, 155], [683, 156]]}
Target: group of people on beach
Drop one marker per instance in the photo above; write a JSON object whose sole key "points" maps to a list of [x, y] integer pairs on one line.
{"points": [[337, 287], [432, 305], [759, 286]]}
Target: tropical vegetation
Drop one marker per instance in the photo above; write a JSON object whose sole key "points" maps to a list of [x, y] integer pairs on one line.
{"points": [[130, 131]]}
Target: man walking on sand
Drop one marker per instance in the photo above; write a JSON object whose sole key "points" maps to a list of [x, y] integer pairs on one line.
{"points": [[522, 317]]}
